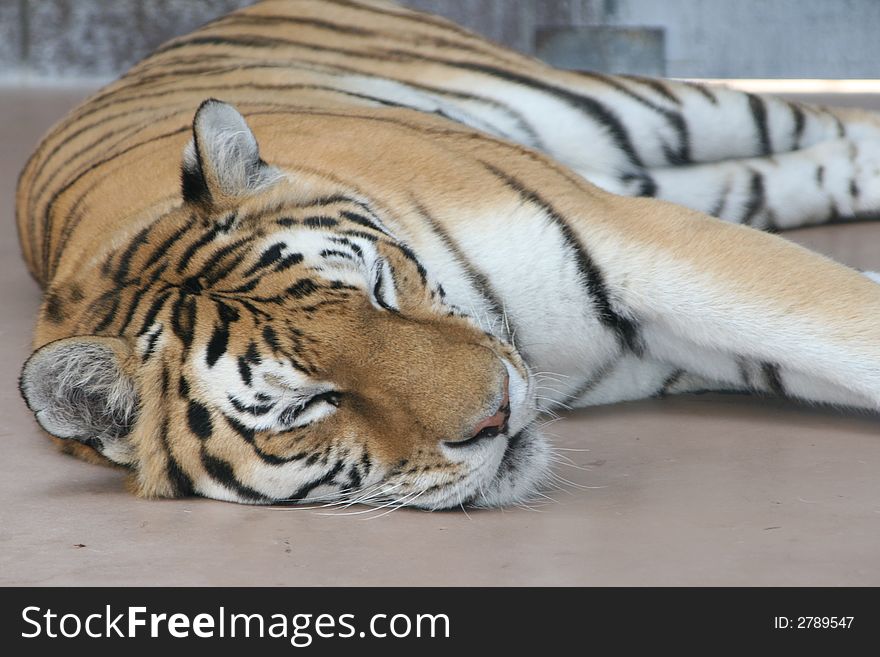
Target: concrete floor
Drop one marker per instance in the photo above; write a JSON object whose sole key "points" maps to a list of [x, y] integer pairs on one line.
{"points": [[706, 490]]}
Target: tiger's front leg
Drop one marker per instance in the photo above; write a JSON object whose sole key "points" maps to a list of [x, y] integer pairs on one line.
{"points": [[720, 306]]}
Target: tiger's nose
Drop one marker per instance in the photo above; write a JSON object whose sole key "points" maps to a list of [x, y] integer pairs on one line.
{"points": [[491, 426], [496, 421]]}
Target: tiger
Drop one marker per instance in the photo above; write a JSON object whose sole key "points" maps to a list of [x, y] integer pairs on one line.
{"points": [[344, 250]]}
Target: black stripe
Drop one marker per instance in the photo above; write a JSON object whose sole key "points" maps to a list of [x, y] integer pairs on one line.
{"points": [[360, 219], [217, 344], [199, 420], [326, 478], [479, 280], [593, 380], [181, 484], [771, 222], [120, 276], [136, 298], [335, 253], [833, 211], [366, 464], [153, 311], [54, 308], [254, 409], [341, 302], [221, 471], [291, 414], [361, 234], [151, 345], [324, 201], [703, 90], [267, 257], [289, 261], [675, 156], [242, 40], [252, 355], [248, 435], [591, 277], [196, 246], [759, 113], [773, 378], [244, 370], [243, 289], [271, 339], [227, 313], [377, 295], [718, 209], [162, 249], [797, 131], [320, 222], [659, 86], [743, 368], [183, 318], [214, 269], [357, 250], [354, 478], [670, 381], [302, 288], [164, 383], [109, 311], [411, 256], [193, 184], [757, 198]]}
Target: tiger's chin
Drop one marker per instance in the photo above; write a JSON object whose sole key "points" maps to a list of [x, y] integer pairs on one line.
{"points": [[524, 470], [520, 469]]}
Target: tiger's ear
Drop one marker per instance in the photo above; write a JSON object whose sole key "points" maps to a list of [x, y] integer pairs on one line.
{"points": [[222, 160], [78, 390]]}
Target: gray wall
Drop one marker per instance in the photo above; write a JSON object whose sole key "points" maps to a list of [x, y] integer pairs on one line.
{"points": [[52, 40], [762, 38]]}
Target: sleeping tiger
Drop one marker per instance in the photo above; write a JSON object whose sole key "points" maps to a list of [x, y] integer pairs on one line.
{"points": [[341, 250]]}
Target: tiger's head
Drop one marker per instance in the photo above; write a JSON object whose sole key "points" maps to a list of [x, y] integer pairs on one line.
{"points": [[262, 343]]}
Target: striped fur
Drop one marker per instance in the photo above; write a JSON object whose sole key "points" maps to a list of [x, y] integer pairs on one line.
{"points": [[389, 234]]}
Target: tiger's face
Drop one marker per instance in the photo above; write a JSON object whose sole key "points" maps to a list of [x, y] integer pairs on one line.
{"points": [[262, 346]]}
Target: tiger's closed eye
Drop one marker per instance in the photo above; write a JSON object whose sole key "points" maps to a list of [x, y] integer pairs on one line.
{"points": [[312, 409]]}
